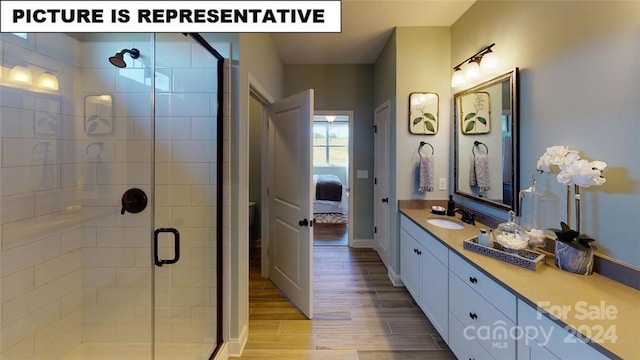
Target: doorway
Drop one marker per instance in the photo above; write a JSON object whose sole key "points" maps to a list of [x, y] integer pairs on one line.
{"points": [[332, 178]]}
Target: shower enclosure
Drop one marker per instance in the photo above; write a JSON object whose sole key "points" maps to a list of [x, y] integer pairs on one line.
{"points": [[110, 202]]}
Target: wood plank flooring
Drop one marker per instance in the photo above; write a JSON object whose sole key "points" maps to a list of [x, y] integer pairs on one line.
{"points": [[358, 314], [330, 234]]}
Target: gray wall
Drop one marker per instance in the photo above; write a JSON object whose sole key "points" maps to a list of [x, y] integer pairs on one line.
{"points": [[414, 59], [345, 87], [579, 88]]}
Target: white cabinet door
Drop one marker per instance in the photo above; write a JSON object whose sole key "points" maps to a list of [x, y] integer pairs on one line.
{"points": [[435, 294], [531, 350], [556, 339], [424, 274], [410, 265]]}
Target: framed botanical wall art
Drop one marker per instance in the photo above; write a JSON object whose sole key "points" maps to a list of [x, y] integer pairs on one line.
{"points": [[98, 114], [423, 113], [475, 113]]}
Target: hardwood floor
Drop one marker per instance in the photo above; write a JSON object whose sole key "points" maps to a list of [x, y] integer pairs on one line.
{"points": [[358, 314], [330, 234]]}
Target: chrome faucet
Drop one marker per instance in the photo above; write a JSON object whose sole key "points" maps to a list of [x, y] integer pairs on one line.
{"points": [[467, 216]]}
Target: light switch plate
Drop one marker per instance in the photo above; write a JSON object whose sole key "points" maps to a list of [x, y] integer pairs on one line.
{"points": [[362, 174], [442, 184]]}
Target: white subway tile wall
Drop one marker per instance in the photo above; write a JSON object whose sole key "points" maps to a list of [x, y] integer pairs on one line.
{"points": [[74, 270], [41, 256]]}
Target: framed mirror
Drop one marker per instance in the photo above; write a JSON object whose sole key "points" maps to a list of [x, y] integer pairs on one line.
{"points": [[486, 142]]}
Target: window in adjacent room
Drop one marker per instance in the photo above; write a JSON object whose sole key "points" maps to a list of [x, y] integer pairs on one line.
{"points": [[330, 140]]}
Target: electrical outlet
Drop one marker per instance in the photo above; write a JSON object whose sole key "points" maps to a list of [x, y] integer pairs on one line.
{"points": [[442, 185]]}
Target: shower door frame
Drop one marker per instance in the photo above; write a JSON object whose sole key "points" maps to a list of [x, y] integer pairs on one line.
{"points": [[219, 340]]}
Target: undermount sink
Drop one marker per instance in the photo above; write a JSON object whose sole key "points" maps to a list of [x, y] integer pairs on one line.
{"points": [[444, 223]]}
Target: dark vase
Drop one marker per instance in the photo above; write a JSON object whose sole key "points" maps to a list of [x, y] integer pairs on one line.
{"points": [[573, 260]]}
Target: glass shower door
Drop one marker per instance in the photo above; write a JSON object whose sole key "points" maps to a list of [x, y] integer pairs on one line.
{"points": [[81, 276], [185, 236]]}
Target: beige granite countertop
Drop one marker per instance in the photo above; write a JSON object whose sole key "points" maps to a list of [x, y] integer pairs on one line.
{"points": [[549, 287]]}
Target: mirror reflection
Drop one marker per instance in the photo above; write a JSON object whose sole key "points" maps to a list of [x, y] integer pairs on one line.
{"points": [[486, 129]]}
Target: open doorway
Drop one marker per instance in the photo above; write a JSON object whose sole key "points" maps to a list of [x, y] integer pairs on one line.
{"points": [[259, 102], [332, 177]]}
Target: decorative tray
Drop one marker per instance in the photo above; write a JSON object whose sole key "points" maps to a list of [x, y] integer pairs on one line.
{"points": [[524, 258]]}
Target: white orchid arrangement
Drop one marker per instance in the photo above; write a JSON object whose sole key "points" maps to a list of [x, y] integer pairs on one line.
{"points": [[577, 172], [572, 169]]}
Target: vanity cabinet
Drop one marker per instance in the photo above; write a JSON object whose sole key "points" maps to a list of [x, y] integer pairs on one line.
{"points": [[484, 310], [424, 272], [545, 339], [478, 316]]}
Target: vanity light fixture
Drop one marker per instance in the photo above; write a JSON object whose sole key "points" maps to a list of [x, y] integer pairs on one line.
{"points": [[457, 78], [20, 74], [484, 61], [330, 118], [472, 69], [489, 62], [48, 81]]}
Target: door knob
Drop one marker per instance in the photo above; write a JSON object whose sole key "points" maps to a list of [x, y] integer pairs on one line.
{"points": [[385, 200], [303, 222], [134, 201]]}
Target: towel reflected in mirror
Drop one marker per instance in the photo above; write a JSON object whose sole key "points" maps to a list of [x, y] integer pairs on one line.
{"points": [[479, 174]]}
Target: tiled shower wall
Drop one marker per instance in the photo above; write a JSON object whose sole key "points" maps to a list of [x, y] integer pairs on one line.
{"points": [[116, 252], [73, 268], [116, 281], [40, 265]]}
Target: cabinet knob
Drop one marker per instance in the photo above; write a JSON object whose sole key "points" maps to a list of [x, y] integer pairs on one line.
{"points": [[473, 316], [473, 279]]}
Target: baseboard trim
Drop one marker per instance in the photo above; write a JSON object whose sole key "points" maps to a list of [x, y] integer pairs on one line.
{"points": [[395, 278], [362, 243], [223, 352], [236, 346]]}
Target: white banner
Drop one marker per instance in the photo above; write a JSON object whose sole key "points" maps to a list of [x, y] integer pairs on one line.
{"points": [[171, 16]]}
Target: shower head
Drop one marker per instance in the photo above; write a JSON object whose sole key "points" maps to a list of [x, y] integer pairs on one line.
{"points": [[118, 59]]}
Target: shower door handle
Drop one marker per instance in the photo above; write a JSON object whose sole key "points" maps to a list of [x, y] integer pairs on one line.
{"points": [[176, 242]]}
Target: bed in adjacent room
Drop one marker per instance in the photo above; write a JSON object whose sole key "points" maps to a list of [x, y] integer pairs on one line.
{"points": [[330, 195]]}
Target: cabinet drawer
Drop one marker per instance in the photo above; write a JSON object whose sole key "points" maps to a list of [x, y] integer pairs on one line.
{"points": [[555, 338], [531, 350], [430, 243], [482, 322], [495, 294], [463, 347]]}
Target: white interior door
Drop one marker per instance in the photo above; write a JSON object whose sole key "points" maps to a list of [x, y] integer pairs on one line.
{"points": [[381, 175], [290, 201]]}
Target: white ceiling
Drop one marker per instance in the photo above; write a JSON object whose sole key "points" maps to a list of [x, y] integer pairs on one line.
{"points": [[366, 27]]}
